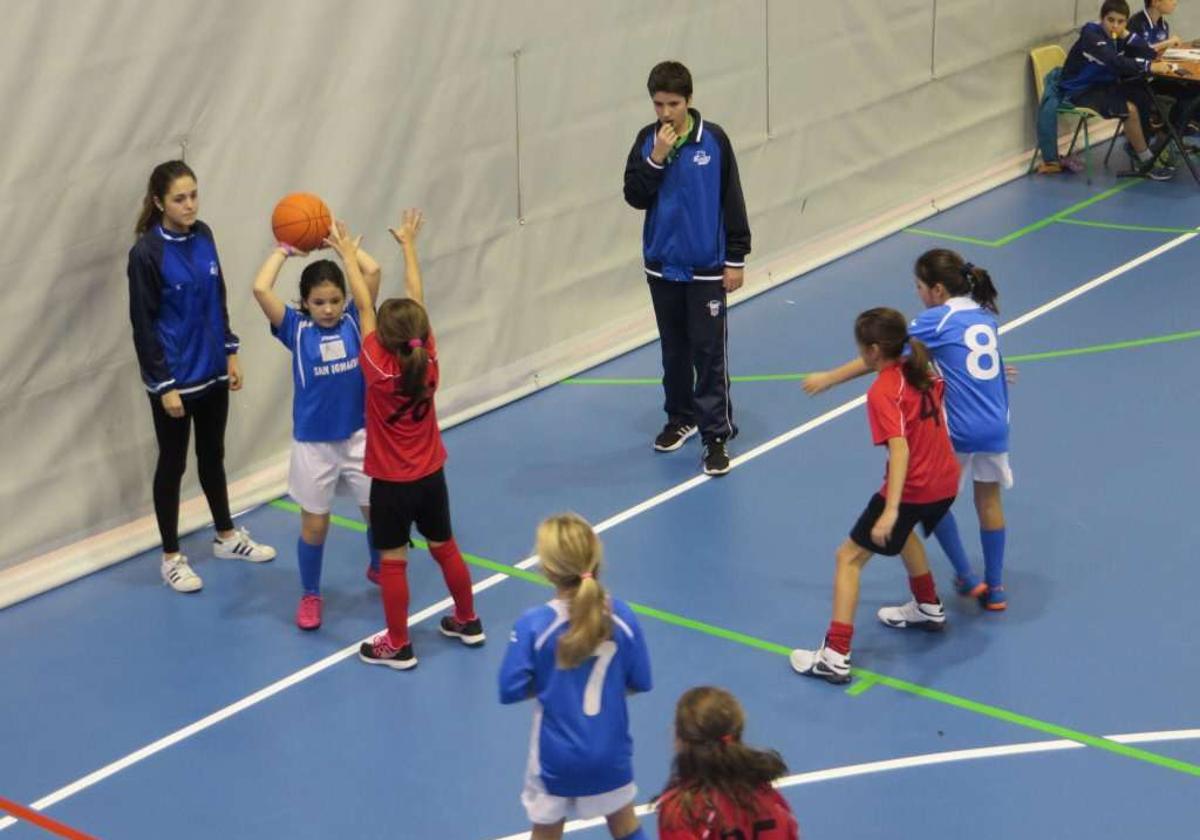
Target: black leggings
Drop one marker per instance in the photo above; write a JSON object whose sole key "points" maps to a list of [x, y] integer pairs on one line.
{"points": [[209, 412]]}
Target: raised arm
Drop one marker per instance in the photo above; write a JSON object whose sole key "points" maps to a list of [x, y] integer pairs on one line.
{"points": [[347, 248], [264, 285], [371, 274], [406, 234], [815, 383]]}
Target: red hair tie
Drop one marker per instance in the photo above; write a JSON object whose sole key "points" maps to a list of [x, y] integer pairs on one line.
{"points": [[586, 576], [414, 343], [726, 738]]}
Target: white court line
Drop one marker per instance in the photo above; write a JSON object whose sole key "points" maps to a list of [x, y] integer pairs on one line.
{"points": [[910, 761], [653, 502]]}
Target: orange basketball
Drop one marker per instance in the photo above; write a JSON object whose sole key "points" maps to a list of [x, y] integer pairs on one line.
{"points": [[301, 220]]}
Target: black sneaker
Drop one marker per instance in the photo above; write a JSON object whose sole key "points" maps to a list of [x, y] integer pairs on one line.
{"points": [[672, 436], [470, 633], [716, 457], [379, 651]]}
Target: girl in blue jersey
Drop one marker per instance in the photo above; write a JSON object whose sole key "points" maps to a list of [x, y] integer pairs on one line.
{"points": [[327, 405], [577, 656], [188, 359], [959, 328]]}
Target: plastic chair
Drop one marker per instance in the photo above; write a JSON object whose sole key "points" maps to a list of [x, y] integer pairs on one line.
{"points": [[1044, 60]]}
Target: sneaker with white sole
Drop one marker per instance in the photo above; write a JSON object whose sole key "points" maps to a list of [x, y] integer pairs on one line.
{"points": [[239, 546], [716, 457], [822, 663], [379, 651], [470, 633], [177, 574], [931, 617], [673, 436]]}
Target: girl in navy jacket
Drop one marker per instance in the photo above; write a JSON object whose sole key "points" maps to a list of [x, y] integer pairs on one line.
{"points": [[187, 355]]}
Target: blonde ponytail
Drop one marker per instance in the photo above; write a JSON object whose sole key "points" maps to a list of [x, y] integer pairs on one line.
{"points": [[570, 554]]}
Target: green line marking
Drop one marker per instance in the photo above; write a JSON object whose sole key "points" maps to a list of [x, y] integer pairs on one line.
{"points": [[1025, 357], [863, 684], [866, 679], [1030, 228], [1113, 226]]}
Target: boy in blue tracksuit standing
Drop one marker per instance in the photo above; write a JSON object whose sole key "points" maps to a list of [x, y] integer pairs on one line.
{"points": [[682, 172]]}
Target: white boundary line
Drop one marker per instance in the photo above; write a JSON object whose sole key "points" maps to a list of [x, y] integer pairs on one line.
{"points": [[911, 761], [624, 516]]}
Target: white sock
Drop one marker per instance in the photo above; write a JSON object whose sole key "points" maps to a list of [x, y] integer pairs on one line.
{"points": [[1144, 155]]}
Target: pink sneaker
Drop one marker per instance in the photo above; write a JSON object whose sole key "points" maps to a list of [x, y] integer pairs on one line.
{"points": [[373, 575], [308, 614]]}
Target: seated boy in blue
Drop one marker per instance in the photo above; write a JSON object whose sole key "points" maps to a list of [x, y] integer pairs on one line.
{"points": [[1099, 73]]}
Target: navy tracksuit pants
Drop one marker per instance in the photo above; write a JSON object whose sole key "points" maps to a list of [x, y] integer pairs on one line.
{"points": [[695, 356]]}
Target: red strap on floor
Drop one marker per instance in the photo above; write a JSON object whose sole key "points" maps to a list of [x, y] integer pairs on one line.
{"points": [[42, 821]]}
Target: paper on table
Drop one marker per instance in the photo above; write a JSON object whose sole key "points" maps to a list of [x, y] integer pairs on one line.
{"points": [[1181, 55]]}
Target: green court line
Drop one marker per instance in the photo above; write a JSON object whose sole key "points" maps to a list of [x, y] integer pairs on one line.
{"points": [[1030, 228], [866, 679], [1025, 357], [1113, 226]]}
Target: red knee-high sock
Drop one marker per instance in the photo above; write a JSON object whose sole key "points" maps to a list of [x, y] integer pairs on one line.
{"points": [[923, 588], [393, 589], [458, 579]]}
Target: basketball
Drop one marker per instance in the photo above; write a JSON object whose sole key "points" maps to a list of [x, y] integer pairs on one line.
{"points": [[301, 220]]}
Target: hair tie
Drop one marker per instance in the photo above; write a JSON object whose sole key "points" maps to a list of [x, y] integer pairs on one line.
{"points": [[414, 343], [727, 738], [968, 273], [586, 576]]}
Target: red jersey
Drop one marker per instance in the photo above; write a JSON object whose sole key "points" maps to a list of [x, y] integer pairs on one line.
{"points": [[897, 409], [721, 819], [403, 440]]}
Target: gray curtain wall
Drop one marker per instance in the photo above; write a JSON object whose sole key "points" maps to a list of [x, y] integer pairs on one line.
{"points": [[508, 121]]}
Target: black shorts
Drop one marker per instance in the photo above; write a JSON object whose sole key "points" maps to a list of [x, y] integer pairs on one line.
{"points": [[397, 505], [1112, 100], [928, 514]]}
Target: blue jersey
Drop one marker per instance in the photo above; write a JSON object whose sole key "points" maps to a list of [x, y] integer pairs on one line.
{"points": [[962, 337], [327, 395], [581, 744], [1099, 59]]}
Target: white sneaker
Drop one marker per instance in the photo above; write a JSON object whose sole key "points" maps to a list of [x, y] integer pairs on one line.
{"points": [[178, 575], [931, 617], [822, 663], [239, 546]]}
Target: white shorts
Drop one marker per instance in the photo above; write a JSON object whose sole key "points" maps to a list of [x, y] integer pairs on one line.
{"points": [[986, 466], [320, 470], [544, 808]]}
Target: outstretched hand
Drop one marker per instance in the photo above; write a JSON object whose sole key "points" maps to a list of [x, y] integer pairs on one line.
{"points": [[341, 241], [410, 225]]}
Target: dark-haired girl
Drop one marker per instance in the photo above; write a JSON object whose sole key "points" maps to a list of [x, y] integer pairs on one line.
{"points": [[904, 407], [327, 405], [188, 359], [719, 786], [959, 328], [405, 454]]}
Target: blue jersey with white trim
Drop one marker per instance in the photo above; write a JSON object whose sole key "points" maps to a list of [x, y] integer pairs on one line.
{"points": [[327, 385], [962, 336], [581, 743]]}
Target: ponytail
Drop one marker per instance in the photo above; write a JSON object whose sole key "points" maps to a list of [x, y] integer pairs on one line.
{"points": [[570, 555], [403, 328], [958, 277], [157, 187], [917, 367]]}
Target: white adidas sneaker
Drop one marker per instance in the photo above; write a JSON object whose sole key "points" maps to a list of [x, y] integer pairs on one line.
{"points": [[178, 575], [931, 617], [239, 546]]}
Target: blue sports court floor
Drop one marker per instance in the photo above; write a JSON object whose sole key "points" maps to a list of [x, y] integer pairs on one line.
{"points": [[131, 712]]}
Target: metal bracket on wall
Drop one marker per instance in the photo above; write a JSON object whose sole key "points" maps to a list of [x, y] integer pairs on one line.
{"points": [[516, 58]]}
